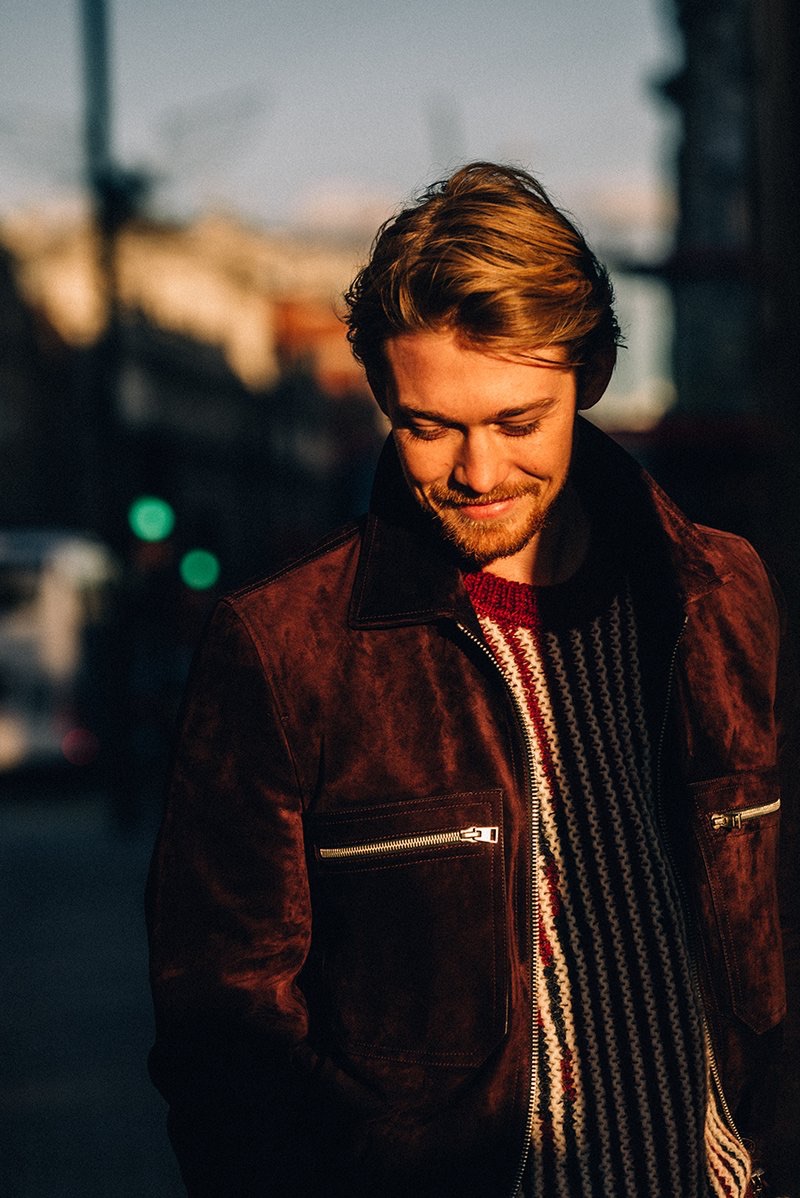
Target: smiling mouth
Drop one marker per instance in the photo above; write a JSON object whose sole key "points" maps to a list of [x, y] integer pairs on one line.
{"points": [[484, 510], [483, 500], [486, 502], [480, 508]]}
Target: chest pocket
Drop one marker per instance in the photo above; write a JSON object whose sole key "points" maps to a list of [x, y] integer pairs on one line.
{"points": [[408, 904]]}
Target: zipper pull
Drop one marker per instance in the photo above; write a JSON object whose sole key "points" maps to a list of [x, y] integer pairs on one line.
{"points": [[726, 821], [475, 834], [731, 821]]}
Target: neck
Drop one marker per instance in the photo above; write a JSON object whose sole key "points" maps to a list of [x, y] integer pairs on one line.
{"points": [[554, 553]]}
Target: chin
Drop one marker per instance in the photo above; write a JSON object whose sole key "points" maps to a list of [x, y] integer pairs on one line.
{"points": [[480, 546]]}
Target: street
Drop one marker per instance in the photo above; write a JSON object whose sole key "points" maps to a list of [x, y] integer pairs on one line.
{"points": [[78, 1115]]}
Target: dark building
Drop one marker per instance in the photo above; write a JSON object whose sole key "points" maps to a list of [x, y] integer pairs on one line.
{"points": [[223, 385], [36, 417], [730, 447]]}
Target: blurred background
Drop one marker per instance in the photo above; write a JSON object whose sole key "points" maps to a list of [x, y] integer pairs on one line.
{"points": [[185, 191]]}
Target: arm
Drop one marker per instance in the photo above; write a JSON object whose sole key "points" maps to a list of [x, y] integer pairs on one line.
{"points": [[253, 1109], [784, 1143]]}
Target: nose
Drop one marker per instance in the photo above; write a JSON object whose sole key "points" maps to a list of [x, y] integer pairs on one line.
{"points": [[480, 465]]}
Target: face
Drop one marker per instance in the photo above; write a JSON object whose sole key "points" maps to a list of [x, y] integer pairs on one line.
{"points": [[485, 442]]}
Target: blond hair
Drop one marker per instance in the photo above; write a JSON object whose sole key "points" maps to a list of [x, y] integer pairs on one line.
{"points": [[486, 254]]}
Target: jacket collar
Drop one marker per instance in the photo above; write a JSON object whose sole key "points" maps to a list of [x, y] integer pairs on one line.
{"points": [[407, 574]]}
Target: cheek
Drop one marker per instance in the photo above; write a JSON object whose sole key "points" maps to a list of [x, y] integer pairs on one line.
{"points": [[423, 462], [555, 457]]}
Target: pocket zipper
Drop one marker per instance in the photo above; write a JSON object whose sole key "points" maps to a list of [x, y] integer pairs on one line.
{"points": [[422, 840], [729, 821]]}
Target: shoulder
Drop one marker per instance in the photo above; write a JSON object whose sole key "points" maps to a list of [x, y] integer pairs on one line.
{"points": [[310, 591], [751, 595], [738, 558], [734, 548], [332, 552]]}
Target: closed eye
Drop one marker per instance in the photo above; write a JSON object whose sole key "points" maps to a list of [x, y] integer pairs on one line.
{"points": [[428, 432], [520, 430]]}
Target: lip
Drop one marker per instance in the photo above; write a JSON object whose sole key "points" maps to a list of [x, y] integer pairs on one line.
{"points": [[487, 511]]}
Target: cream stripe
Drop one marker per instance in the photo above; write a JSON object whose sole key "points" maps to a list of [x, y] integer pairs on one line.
{"points": [[716, 1128], [609, 1179], [618, 701], [625, 657], [625, 797], [601, 763], [724, 1151], [505, 654]]}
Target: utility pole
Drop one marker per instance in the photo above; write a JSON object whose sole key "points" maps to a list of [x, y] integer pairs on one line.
{"points": [[114, 194], [98, 377], [97, 140]]}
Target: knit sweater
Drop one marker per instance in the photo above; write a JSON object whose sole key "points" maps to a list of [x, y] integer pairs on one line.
{"points": [[624, 1104]]}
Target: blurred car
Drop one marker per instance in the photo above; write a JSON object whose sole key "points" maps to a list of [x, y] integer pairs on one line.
{"points": [[56, 598]]}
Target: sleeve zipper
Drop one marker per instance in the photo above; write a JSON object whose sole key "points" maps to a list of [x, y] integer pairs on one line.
{"points": [[731, 821], [713, 1064]]}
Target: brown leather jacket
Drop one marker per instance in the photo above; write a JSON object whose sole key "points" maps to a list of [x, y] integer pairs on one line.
{"points": [[334, 1026]]}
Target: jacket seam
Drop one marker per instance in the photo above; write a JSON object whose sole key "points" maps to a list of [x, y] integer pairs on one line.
{"points": [[334, 541], [271, 685], [429, 803]]}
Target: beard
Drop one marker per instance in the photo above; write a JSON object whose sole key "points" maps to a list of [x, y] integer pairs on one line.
{"points": [[484, 541]]}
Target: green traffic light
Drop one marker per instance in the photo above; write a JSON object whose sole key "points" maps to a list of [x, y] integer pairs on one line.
{"points": [[151, 518], [199, 569]]}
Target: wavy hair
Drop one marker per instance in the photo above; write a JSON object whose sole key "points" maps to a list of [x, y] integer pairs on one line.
{"points": [[486, 254]]}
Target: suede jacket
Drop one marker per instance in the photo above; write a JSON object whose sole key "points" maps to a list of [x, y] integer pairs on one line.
{"points": [[334, 1022]]}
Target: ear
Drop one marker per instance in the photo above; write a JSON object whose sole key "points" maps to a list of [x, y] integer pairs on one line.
{"points": [[594, 377]]}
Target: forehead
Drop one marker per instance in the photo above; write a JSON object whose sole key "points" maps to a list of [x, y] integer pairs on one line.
{"points": [[442, 372]]}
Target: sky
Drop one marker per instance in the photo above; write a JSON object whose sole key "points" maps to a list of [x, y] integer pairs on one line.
{"points": [[328, 112]]}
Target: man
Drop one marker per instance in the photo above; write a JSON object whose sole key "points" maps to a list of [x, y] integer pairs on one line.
{"points": [[467, 879]]}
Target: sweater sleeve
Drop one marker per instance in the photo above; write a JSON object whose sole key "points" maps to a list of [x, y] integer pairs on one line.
{"points": [[253, 1109]]}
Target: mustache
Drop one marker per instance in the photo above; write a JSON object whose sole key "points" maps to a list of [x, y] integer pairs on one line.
{"points": [[446, 496]]}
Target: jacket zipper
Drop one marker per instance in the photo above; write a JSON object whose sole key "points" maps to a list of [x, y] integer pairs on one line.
{"points": [[420, 840], [730, 821], [709, 1045], [534, 815]]}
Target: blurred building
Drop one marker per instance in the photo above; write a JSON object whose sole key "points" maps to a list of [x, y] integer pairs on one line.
{"points": [[33, 465], [207, 424], [228, 388], [731, 447], [713, 270]]}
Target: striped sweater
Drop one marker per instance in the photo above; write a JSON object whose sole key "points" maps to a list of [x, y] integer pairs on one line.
{"points": [[624, 1103]]}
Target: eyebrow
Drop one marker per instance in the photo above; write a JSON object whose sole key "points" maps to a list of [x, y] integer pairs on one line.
{"points": [[536, 408]]}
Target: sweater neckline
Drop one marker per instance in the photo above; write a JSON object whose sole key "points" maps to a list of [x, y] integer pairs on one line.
{"points": [[586, 594], [502, 598]]}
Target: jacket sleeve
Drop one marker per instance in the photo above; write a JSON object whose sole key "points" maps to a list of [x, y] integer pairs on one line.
{"points": [[783, 1150], [253, 1109]]}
